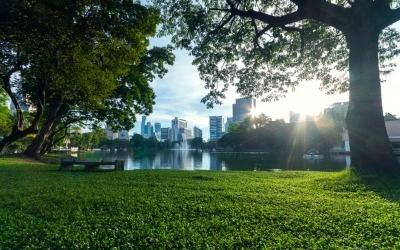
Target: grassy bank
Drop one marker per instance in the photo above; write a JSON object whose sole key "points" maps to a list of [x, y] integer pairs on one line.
{"points": [[41, 207]]}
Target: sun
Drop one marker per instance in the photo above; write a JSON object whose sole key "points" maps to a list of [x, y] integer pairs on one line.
{"points": [[306, 102], [254, 112]]}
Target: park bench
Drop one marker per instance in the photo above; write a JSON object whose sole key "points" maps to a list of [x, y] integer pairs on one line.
{"points": [[90, 165]]}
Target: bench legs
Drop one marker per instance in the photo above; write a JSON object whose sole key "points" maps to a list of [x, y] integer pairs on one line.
{"points": [[66, 165], [92, 167], [119, 165]]}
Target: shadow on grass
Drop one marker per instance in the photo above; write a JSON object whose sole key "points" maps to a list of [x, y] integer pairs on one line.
{"points": [[385, 185]]}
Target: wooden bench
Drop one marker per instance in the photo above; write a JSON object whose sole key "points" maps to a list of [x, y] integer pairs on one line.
{"points": [[90, 165]]}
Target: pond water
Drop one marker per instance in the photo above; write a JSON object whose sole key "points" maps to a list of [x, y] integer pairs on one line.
{"points": [[195, 160]]}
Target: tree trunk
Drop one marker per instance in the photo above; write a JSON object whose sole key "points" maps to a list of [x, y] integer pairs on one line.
{"points": [[34, 149], [17, 134], [369, 144], [12, 137], [18, 131]]}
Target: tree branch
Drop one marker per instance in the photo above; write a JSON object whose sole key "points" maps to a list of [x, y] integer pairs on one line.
{"points": [[319, 10], [390, 17], [6, 79], [324, 12]]}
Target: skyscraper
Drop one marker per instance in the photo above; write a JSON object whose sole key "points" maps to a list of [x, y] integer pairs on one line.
{"points": [[176, 130], [216, 123], [149, 130], [197, 132], [157, 127], [143, 126], [242, 108], [228, 123], [166, 134]]}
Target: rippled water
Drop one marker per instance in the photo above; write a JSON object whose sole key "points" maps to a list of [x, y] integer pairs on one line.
{"points": [[195, 160]]}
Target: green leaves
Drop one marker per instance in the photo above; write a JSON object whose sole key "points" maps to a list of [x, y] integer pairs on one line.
{"points": [[5, 115], [263, 58]]}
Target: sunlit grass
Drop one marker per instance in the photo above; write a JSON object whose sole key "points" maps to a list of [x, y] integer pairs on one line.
{"points": [[41, 207]]}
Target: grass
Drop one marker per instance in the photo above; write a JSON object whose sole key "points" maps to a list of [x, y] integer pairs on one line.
{"points": [[41, 207]]}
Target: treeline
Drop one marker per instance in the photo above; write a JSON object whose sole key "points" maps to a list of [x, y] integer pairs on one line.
{"points": [[75, 62], [263, 134]]}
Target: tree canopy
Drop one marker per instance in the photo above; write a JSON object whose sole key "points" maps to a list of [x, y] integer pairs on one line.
{"points": [[266, 48], [79, 61]]}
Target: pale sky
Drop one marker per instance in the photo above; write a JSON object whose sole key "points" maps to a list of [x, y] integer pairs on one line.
{"points": [[180, 91]]}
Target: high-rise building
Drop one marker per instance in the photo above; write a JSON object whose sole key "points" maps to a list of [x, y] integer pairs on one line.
{"points": [[157, 130], [166, 134], [197, 132], [184, 134], [228, 123], [149, 130], [216, 123], [143, 126], [294, 117], [242, 108], [176, 126], [157, 127]]}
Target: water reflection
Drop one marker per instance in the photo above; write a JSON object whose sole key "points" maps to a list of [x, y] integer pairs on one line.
{"points": [[195, 160]]}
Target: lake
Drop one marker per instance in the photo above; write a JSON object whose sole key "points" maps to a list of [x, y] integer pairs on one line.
{"points": [[219, 161]]}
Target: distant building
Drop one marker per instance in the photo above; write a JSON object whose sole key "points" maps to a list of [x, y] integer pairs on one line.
{"points": [[123, 135], [242, 108], [216, 123], [176, 129], [197, 132], [157, 130], [294, 117], [228, 123], [148, 131], [143, 126], [24, 104], [166, 134], [157, 127], [393, 131], [110, 134], [184, 134]]}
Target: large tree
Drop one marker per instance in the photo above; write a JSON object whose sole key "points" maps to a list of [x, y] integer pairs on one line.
{"points": [[265, 48], [132, 95], [72, 60]]}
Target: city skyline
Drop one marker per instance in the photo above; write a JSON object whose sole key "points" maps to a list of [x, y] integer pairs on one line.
{"points": [[179, 94]]}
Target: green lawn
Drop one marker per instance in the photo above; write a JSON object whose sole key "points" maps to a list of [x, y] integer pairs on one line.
{"points": [[41, 207]]}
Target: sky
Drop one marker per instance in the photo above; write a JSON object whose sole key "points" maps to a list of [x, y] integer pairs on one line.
{"points": [[179, 94]]}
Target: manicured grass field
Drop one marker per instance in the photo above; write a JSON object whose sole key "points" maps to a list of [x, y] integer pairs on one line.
{"points": [[41, 207]]}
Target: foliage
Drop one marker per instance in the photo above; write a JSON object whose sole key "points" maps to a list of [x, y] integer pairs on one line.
{"points": [[89, 140], [5, 115], [390, 117], [265, 48], [139, 142], [43, 208], [261, 133], [84, 61], [196, 143]]}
